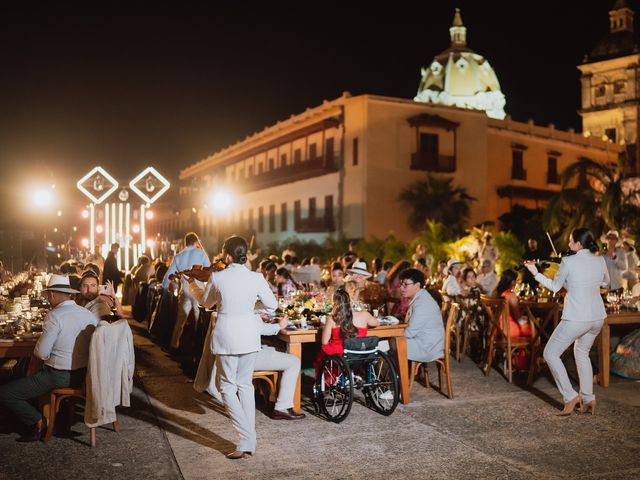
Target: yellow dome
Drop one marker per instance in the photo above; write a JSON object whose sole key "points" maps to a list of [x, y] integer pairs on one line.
{"points": [[462, 78]]}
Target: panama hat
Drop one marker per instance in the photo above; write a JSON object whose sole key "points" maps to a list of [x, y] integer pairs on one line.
{"points": [[60, 283], [359, 268], [452, 263]]}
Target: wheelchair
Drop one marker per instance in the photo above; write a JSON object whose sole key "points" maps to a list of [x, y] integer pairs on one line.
{"points": [[363, 367]]}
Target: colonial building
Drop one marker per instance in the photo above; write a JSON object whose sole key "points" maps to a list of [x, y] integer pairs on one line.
{"points": [[610, 81], [337, 169]]}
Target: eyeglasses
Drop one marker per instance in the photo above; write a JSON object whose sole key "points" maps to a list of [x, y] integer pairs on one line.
{"points": [[406, 284]]}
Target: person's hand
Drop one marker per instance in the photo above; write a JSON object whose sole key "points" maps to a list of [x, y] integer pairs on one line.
{"points": [[283, 322], [531, 266], [110, 290]]}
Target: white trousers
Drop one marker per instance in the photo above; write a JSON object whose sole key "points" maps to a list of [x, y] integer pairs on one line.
{"points": [[269, 358], [236, 386], [186, 303], [582, 335]]}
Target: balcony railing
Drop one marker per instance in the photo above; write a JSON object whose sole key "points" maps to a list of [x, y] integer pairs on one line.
{"points": [[314, 225], [432, 162], [290, 173]]}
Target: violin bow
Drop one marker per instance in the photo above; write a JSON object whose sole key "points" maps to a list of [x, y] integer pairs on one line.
{"points": [[555, 252]]}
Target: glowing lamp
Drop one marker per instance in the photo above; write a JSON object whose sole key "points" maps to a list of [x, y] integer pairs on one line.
{"points": [[99, 229]]}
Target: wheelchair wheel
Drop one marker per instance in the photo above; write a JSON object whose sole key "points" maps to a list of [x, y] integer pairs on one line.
{"points": [[333, 389], [381, 386]]}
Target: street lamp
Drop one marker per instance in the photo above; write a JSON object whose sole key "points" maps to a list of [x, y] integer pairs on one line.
{"points": [[221, 202]]}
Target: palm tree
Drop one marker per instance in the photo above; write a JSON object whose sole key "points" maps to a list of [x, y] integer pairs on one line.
{"points": [[593, 195], [437, 199]]}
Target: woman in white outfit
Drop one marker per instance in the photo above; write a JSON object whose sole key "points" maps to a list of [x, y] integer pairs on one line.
{"points": [[236, 336], [583, 314]]}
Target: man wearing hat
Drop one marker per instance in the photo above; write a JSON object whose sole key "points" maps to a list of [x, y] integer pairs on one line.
{"points": [[64, 347], [628, 245], [451, 286], [365, 291], [615, 260]]}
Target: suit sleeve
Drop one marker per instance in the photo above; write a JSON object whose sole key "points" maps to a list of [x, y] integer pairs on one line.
{"points": [[265, 295], [172, 269], [208, 296], [558, 282], [269, 329]]}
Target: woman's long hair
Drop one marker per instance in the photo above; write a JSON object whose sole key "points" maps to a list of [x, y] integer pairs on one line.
{"points": [[506, 280], [343, 315]]}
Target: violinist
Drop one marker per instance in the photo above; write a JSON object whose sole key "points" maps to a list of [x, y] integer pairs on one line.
{"points": [[583, 314], [192, 254]]}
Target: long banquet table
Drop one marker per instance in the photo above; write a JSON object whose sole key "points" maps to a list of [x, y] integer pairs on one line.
{"points": [[604, 341], [395, 333]]}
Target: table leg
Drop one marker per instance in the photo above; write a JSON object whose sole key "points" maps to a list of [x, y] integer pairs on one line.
{"points": [[604, 344], [400, 344], [296, 349]]}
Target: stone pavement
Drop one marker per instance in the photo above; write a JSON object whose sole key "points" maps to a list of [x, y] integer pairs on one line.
{"points": [[490, 430]]}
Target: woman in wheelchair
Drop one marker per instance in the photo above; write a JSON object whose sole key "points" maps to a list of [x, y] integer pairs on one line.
{"points": [[350, 359], [343, 323]]}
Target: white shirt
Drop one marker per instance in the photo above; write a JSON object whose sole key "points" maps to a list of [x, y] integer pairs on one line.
{"points": [[235, 291], [451, 286], [185, 260], [98, 307], [582, 275], [66, 336], [616, 266]]}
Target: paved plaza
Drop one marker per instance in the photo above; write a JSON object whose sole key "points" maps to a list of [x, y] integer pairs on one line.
{"points": [[490, 430]]}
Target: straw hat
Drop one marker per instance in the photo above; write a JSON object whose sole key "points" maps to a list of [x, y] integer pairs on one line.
{"points": [[60, 283], [452, 263], [359, 268]]}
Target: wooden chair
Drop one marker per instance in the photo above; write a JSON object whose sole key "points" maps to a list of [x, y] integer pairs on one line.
{"points": [[270, 379], [443, 363], [51, 409], [499, 335]]}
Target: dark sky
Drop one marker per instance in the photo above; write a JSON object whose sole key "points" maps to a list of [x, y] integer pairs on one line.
{"points": [[126, 85]]}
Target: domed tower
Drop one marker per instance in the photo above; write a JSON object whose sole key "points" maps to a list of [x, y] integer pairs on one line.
{"points": [[460, 77]]}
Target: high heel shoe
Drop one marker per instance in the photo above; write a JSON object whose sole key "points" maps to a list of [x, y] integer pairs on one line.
{"points": [[588, 406], [237, 454], [570, 406]]}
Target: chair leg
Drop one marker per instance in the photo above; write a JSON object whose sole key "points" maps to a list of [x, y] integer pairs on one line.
{"points": [[447, 372], [51, 408], [440, 373], [413, 372], [465, 338], [489, 358], [533, 366], [93, 436], [427, 382], [116, 426], [509, 353]]}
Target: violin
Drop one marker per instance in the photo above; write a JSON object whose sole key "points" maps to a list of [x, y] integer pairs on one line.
{"points": [[544, 263], [201, 272]]}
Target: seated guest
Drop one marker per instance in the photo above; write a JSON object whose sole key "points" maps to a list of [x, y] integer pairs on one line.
{"points": [[92, 267], [451, 286], [425, 329], [286, 285], [397, 305], [100, 304], [382, 274], [343, 323], [337, 275], [519, 325], [268, 270], [64, 347], [469, 285], [441, 273], [487, 280], [365, 292]]}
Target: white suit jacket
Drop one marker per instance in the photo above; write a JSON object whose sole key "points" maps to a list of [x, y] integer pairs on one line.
{"points": [[109, 373], [582, 275], [235, 291]]}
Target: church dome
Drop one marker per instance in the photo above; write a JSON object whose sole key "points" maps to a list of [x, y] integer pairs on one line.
{"points": [[460, 77]]}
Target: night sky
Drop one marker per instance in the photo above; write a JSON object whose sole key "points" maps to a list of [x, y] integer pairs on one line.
{"points": [[136, 84]]}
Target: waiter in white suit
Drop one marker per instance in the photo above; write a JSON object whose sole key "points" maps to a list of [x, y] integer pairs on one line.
{"points": [[583, 314], [236, 337], [192, 254]]}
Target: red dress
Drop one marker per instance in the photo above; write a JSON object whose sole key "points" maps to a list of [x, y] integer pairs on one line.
{"points": [[335, 345], [520, 358]]}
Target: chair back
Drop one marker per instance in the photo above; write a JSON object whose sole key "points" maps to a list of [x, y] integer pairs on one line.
{"points": [[450, 326], [497, 310]]}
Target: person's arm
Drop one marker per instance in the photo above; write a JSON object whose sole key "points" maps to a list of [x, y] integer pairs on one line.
{"points": [[326, 330], [270, 329], [371, 320], [173, 268], [114, 302], [50, 332], [514, 306], [207, 296], [557, 283], [606, 279], [413, 328]]}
